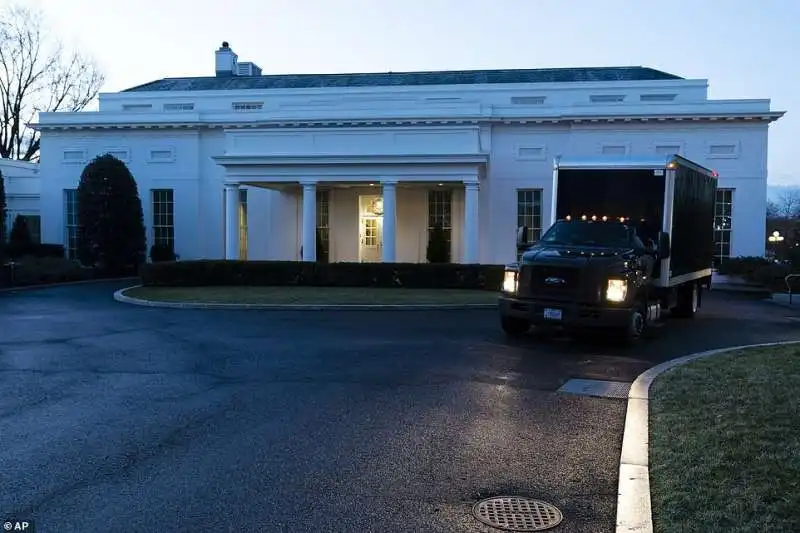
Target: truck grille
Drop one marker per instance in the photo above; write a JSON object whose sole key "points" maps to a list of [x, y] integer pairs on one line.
{"points": [[556, 282]]}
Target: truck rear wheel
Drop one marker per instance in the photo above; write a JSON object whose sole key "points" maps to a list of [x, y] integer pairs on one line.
{"points": [[514, 326], [688, 301]]}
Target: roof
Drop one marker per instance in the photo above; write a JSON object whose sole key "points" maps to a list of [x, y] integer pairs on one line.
{"points": [[394, 79]]}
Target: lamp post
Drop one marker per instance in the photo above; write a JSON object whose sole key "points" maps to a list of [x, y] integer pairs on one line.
{"points": [[775, 238]]}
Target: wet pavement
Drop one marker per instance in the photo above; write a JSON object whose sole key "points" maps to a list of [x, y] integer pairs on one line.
{"points": [[117, 418]]}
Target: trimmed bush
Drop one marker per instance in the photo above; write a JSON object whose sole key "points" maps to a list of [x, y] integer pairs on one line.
{"points": [[111, 233], [742, 266], [20, 235], [772, 276], [43, 270], [34, 250], [262, 273], [161, 252]]}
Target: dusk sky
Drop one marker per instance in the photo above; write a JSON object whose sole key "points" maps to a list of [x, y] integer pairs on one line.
{"points": [[745, 49]]}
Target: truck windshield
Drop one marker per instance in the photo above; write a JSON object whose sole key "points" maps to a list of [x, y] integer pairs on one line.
{"points": [[589, 233]]}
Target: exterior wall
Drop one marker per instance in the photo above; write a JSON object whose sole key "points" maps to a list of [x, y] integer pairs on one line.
{"points": [[522, 157], [22, 186]]}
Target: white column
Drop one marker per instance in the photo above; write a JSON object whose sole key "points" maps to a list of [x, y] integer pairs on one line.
{"points": [[470, 223], [231, 221], [309, 221], [389, 221]]}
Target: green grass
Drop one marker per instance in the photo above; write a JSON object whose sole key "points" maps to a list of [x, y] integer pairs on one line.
{"points": [[313, 295], [725, 444]]}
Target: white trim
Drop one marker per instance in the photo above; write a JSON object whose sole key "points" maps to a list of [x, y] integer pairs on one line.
{"points": [[74, 161], [625, 145], [734, 154], [164, 149], [123, 154], [677, 280], [666, 225], [281, 160], [539, 152]]}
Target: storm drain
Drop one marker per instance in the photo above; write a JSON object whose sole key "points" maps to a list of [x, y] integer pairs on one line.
{"points": [[596, 387], [517, 514]]}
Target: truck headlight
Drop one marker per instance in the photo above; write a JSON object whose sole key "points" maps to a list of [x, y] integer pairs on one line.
{"points": [[617, 290], [510, 282]]}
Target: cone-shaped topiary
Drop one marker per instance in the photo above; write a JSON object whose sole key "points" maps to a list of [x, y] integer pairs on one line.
{"points": [[20, 236], [438, 245], [111, 233]]}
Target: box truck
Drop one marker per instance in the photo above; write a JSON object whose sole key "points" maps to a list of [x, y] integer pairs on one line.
{"points": [[629, 239]]}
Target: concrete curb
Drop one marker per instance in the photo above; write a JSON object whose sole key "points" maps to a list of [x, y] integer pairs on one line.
{"points": [[63, 284], [121, 297], [634, 512]]}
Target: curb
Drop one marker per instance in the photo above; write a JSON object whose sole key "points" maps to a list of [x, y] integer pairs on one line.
{"points": [[121, 297], [63, 284], [634, 511]]}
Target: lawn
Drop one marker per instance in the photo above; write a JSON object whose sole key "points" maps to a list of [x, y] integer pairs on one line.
{"points": [[313, 295], [725, 444]]}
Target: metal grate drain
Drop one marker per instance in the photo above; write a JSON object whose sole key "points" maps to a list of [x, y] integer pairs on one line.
{"points": [[517, 514]]}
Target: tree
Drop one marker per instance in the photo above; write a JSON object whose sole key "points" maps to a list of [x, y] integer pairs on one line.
{"points": [[438, 245], [772, 210], [788, 204], [111, 233], [20, 236], [37, 74], [2, 211]]}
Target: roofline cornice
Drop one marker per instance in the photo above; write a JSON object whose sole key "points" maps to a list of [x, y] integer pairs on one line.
{"points": [[768, 116]]}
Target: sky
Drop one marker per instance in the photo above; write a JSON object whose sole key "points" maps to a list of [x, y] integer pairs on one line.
{"points": [[745, 48]]}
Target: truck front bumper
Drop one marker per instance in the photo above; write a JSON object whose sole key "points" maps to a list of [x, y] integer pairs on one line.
{"points": [[564, 314]]}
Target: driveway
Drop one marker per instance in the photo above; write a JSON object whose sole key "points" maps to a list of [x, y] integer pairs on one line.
{"points": [[124, 419]]}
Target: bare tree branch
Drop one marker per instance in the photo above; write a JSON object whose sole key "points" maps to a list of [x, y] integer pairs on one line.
{"points": [[788, 204], [37, 75]]}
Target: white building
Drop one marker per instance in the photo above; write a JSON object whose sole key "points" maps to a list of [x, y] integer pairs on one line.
{"points": [[22, 186], [244, 165]]}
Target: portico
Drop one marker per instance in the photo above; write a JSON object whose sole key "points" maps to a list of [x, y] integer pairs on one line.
{"points": [[388, 218]]}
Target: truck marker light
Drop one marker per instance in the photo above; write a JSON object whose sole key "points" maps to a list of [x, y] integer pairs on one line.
{"points": [[605, 218], [583, 217], [617, 290], [622, 219], [594, 218], [568, 218]]}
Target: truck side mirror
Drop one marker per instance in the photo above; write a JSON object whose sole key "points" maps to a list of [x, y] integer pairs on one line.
{"points": [[522, 236], [663, 245]]}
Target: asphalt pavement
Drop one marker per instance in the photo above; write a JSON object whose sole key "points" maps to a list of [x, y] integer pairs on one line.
{"points": [[117, 418]]}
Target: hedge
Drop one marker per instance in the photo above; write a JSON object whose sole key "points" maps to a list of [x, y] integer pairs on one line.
{"points": [[260, 273], [15, 251]]}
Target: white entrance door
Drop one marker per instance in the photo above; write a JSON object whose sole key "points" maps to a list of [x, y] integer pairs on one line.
{"points": [[370, 238]]}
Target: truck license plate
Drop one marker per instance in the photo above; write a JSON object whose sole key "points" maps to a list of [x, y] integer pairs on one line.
{"points": [[552, 314]]}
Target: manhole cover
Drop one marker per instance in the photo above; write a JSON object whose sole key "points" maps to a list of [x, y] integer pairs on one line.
{"points": [[517, 514]]}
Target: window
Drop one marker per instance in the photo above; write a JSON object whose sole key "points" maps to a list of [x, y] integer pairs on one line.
{"points": [[163, 218], [605, 98], [723, 211], [179, 107], [529, 212], [323, 226], [242, 224], [439, 209], [71, 222]]}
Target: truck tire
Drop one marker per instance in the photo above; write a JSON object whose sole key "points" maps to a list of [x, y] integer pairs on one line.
{"points": [[513, 326], [688, 301], [636, 325]]}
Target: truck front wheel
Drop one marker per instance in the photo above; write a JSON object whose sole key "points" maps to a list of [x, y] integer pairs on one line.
{"points": [[514, 326]]}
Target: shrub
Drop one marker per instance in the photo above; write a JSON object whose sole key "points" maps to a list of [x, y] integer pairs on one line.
{"points": [[20, 235], [111, 233], [31, 270], [742, 266], [772, 276], [255, 273], [161, 252], [34, 250], [438, 246]]}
